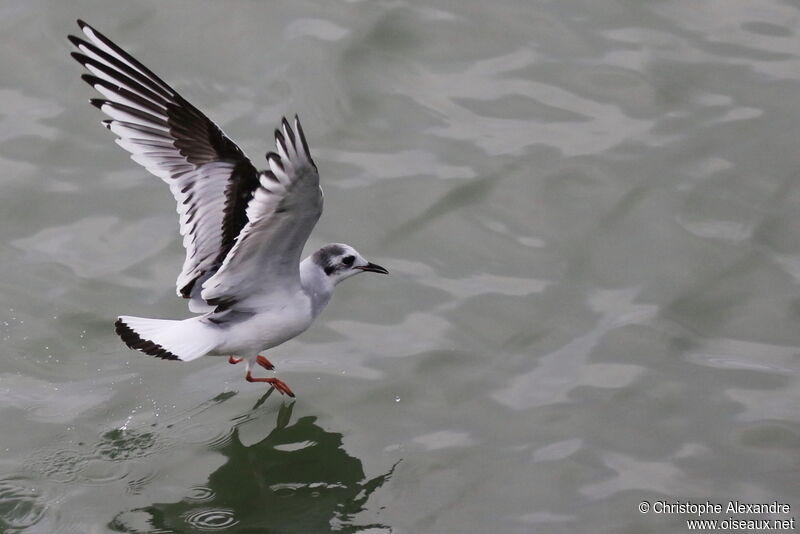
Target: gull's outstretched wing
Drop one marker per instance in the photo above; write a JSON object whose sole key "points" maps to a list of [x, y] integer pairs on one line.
{"points": [[284, 209], [211, 178]]}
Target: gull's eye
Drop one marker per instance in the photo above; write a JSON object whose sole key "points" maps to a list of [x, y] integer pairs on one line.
{"points": [[348, 260]]}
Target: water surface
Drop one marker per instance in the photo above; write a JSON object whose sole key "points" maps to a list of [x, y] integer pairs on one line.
{"points": [[591, 213]]}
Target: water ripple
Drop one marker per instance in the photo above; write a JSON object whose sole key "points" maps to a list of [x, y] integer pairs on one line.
{"points": [[61, 465], [78, 246], [212, 519], [20, 507], [120, 444], [200, 494]]}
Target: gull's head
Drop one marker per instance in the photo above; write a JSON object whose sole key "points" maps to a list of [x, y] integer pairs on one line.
{"points": [[339, 261]]}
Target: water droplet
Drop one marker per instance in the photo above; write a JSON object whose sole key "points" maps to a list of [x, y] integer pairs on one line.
{"points": [[397, 398]]}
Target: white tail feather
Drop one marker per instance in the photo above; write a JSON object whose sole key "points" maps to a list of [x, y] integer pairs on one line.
{"points": [[172, 340]]}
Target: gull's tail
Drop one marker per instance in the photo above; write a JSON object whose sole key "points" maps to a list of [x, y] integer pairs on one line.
{"points": [[171, 340]]}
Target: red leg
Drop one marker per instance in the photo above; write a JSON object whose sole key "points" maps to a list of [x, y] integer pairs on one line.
{"points": [[265, 363], [280, 385], [234, 361]]}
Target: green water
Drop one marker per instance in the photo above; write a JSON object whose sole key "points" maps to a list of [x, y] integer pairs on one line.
{"points": [[591, 213]]}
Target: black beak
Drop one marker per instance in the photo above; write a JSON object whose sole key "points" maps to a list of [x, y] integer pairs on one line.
{"points": [[373, 268]]}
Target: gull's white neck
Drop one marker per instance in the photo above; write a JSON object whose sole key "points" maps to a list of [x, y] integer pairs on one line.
{"points": [[317, 285]]}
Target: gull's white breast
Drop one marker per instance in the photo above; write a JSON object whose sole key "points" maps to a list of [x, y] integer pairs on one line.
{"points": [[273, 324]]}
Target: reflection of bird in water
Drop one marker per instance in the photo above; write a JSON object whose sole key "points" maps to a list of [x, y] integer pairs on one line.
{"points": [[244, 229], [298, 479]]}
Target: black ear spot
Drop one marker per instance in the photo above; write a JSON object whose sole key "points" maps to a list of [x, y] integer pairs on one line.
{"points": [[348, 260], [329, 269]]}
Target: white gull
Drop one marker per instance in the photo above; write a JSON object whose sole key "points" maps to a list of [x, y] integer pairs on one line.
{"points": [[243, 229]]}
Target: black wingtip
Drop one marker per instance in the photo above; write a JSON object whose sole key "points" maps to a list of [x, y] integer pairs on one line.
{"points": [[301, 134], [288, 129], [82, 24], [79, 57], [280, 140], [134, 341], [97, 102]]}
